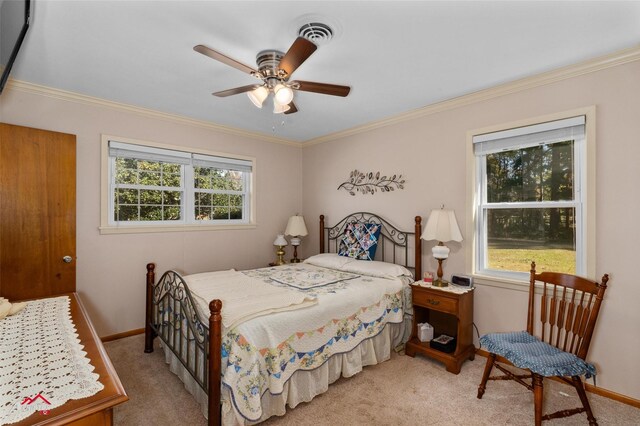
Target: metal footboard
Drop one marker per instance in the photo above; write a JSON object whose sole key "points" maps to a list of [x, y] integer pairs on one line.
{"points": [[172, 316], [176, 322]]}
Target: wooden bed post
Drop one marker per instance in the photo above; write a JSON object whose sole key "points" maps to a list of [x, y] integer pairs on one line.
{"points": [[321, 233], [418, 248], [148, 331], [215, 359]]}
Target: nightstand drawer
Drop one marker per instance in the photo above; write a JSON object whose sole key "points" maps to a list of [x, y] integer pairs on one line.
{"points": [[428, 299]]}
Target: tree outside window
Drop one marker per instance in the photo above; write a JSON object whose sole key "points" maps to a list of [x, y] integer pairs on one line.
{"points": [[517, 235]]}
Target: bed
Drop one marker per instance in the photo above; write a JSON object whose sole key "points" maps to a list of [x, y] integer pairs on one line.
{"points": [[352, 313]]}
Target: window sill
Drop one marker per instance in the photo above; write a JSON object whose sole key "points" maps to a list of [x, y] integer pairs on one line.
{"points": [[506, 283], [107, 230]]}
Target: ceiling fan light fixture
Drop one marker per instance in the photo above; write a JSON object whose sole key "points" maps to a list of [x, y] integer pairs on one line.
{"points": [[279, 109], [258, 96], [283, 94]]}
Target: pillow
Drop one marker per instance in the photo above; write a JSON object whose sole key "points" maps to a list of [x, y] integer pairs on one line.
{"points": [[328, 260], [375, 268], [360, 241]]}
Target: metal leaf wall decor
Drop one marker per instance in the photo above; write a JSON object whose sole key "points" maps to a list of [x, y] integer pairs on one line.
{"points": [[370, 183]]}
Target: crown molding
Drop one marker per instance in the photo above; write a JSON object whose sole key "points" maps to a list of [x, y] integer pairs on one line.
{"points": [[64, 95], [593, 65]]}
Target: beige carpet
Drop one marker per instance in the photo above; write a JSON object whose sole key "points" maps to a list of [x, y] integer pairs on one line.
{"points": [[401, 391]]}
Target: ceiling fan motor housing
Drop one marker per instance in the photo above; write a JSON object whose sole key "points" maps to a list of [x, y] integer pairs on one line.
{"points": [[268, 61]]}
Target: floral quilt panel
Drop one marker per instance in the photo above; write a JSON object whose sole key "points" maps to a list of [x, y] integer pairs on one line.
{"points": [[303, 277]]}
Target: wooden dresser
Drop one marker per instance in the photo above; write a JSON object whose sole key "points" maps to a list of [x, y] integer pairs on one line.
{"points": [[96, 410]]}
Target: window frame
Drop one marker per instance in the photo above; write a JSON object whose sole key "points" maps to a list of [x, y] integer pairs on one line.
{"points": [[584, 202], [109, 226]]}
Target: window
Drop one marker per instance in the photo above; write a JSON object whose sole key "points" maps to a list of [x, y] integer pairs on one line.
{"points": [[530, 200], [150, 186]]}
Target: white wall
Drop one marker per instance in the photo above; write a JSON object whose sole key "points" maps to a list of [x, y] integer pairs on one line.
{"points": [[111, 268], [430, 152]]}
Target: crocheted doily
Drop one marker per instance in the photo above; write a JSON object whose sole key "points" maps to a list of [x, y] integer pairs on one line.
{"points": [[42, 363]]}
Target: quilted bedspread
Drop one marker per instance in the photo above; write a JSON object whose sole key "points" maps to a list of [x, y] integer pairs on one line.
{"points": [[261, 354], [243, 297]]}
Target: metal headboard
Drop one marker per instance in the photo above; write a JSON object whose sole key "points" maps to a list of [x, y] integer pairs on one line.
{"points": [[393, 246]]}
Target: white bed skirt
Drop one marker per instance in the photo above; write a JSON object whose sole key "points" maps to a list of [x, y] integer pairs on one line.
{"points": [[303, 385]]}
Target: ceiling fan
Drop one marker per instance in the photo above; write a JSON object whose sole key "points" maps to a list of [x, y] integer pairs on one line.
{"points": [[275, 70]]}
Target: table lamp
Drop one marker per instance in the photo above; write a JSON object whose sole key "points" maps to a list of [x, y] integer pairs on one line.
{"points": [[296, 229], [280, 242], [441, 227]]}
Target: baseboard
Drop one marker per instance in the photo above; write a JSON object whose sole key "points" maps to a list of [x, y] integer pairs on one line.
{"points": [[590, 388], [122, 335], [612, 395]]}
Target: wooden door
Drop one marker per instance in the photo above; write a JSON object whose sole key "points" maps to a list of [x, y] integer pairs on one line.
{"points": [[37, 212]]}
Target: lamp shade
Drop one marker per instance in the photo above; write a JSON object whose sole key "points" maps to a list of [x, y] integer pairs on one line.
{"points": [[296, 227], [442, 226], [283, 95], [280, 241], [258, 96], [278, 109]]}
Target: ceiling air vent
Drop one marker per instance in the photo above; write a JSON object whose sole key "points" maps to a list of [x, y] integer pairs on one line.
{"points": [[316, 32]]}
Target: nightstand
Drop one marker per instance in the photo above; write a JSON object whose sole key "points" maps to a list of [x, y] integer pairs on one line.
{"points": [[449, 313]]}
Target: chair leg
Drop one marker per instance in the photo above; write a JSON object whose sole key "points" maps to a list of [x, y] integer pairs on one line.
{"points": [[577, 383], [537, 397], [491, 359]]}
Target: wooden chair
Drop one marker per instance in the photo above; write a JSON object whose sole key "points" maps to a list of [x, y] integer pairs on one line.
{"points": [[569, 308]]}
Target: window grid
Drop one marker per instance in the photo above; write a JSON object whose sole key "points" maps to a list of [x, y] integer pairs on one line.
{"points": [[143, 192], [219, 194]]}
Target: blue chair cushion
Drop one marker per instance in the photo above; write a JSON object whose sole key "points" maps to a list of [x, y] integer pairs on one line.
{"points": [[526, 351]]}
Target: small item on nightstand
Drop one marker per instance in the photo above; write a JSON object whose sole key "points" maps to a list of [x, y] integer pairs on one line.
{"points": [[444, 343], [428, 277], [425, 332]]}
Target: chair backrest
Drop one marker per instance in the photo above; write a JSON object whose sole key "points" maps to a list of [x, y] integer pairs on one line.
{"points": [[569, 308]]}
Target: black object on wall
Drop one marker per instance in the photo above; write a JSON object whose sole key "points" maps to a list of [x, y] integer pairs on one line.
{"points": [[14, 23]]}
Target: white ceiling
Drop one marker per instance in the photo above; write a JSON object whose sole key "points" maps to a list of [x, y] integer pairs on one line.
{"points": [[396, 56]]}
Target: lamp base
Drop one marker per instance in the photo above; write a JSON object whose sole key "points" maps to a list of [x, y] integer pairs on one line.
{"points": [[295, 251], [440, 283], [280, 253]]}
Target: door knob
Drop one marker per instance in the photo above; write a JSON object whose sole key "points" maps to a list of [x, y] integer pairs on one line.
{"points": [[67, 259]]}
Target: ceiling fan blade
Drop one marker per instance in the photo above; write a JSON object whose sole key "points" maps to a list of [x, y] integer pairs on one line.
{"points": [[235, 91], [292, 108], [324, 88], [207, 51], [299, 51]]}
